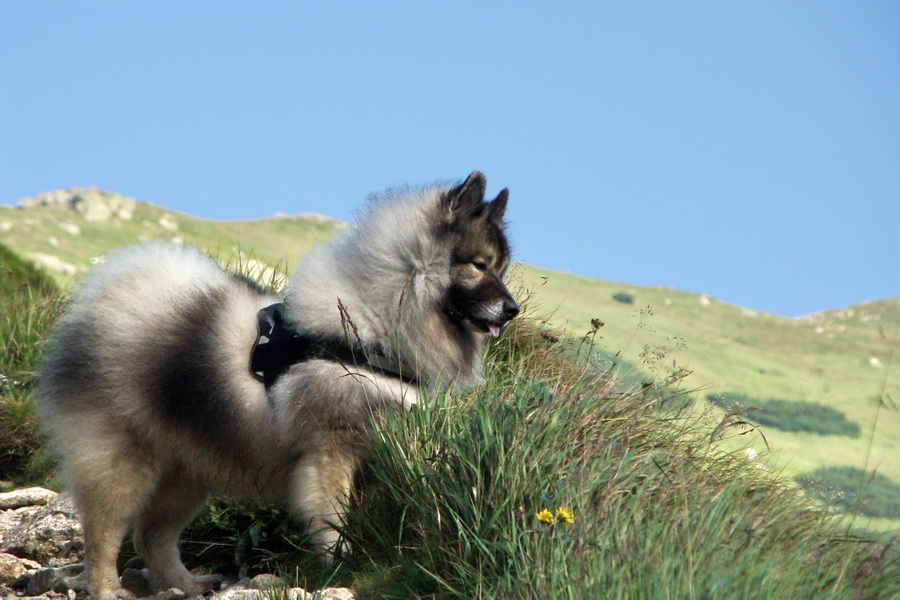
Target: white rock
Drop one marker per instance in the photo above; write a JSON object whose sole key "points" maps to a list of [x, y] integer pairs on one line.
{"points": [[34, 496], [168, 222], [53, 263], [70, 228]]}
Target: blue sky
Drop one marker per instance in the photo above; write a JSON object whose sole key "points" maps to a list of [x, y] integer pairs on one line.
{"points": [[750, 151]]}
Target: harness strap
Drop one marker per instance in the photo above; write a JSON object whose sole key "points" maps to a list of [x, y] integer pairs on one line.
{"points": [[278, 347]]}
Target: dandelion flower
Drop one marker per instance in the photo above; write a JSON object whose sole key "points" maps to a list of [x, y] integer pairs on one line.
{"points": [[545, 515], [563, 515]]}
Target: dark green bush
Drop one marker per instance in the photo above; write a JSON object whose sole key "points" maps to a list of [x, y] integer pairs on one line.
{"points": [[795, 415], [853, 490], [623, 297], [790, 415]]}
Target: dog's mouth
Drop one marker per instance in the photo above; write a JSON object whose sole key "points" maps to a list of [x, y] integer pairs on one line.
{"points": [[487, 318], [493, 322], [488, 326]]}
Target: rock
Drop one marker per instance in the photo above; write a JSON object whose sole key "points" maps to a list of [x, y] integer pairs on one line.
{"points": [[170, 594], [54, 263], [337, 594], [50, 532], [10, 519], [261, 589], [59, 580], [168, 222], [240, 594], [90, 203], [70, 228], [22, 580], [92, 207], [11, 568], [33, 496], [54, 199], [266, 581]]}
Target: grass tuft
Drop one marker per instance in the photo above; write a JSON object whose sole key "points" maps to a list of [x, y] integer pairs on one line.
{"points": [[551, 483], [29, 304]]}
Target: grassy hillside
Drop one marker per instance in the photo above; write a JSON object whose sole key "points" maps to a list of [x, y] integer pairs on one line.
{"points": [[840, 359], [66, 243], [556, 479]]}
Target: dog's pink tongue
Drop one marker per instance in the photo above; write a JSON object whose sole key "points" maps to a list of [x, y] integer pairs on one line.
{"points": [[495, 331]]}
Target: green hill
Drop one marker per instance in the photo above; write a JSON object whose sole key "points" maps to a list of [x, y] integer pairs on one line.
{"points": [[839, 359]]}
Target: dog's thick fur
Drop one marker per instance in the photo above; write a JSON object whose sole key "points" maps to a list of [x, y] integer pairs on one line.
{"points": [[147, 395]]}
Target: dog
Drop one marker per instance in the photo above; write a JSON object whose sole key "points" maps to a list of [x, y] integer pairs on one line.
{"points": [[168, 378]]}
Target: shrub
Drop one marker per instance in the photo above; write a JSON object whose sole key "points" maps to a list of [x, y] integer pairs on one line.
{"points": [[789, 415], [623, 297], [794, 415], [855, 491]]}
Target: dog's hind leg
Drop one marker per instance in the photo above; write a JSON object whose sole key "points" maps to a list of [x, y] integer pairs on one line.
{"points": [[172, 506], [321, 487], [108, 491]]}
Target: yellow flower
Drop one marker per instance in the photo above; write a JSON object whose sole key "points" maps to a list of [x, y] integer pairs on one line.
{"points": [[563, 515], [545, 515]]}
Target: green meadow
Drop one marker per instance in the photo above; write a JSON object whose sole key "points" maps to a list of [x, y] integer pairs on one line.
{"points": [[623, 411]]}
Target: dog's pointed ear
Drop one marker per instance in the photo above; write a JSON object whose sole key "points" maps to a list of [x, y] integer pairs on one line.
{"points": [[497, 207], [465, 197]]}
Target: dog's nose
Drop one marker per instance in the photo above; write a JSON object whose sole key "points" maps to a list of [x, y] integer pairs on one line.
{"points": [[510, 309]]}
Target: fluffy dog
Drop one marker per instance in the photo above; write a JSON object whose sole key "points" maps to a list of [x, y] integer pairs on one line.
{"points": [[168, 378]]}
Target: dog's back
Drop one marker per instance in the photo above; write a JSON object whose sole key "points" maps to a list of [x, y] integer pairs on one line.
{"points": [[154, 345]]}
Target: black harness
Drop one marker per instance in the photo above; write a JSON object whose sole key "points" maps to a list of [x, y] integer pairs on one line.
{"points": [[278, 347]]}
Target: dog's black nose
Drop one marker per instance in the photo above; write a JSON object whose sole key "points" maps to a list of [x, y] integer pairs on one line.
{"points": [[510, 309]]}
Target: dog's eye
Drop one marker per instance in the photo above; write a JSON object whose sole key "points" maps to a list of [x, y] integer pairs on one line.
{"points": [[480, 264]]}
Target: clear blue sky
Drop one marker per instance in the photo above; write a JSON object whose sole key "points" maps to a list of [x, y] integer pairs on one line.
{"points": [[749, 150]]}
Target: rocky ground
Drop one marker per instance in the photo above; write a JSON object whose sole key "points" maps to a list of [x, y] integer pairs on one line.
{"points": [[41, 551]]}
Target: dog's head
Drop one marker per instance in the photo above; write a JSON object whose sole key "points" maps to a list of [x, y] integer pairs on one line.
{"points": [[477, 298]]}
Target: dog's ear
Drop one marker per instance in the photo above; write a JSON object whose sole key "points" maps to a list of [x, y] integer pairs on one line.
{"points": [[497, 207], [464, 198]]}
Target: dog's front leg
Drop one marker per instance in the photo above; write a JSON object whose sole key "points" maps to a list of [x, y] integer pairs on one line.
{"points": [[320, 491]]}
